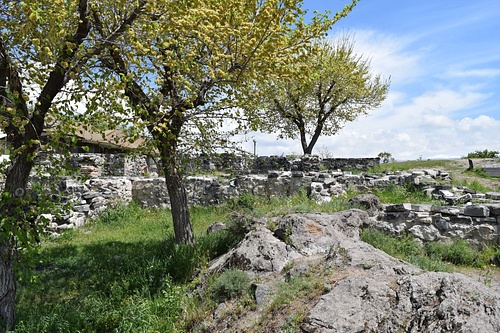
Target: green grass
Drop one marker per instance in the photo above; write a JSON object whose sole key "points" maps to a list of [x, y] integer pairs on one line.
{"points": [[474, 185], [400, 194], [433, 256], [416, 164], [123, 272]]}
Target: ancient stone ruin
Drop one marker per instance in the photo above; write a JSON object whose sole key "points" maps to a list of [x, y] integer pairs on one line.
{"points": [[457, 217]]}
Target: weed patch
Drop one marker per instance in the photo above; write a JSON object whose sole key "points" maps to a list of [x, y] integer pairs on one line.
{"points": [[230, 284]]}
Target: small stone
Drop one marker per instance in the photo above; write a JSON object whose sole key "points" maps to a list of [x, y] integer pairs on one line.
{"points": [[398, 208], [261, 294], [90, 195], [81, 208], [442, 225], [425, 232], [217, 226]]}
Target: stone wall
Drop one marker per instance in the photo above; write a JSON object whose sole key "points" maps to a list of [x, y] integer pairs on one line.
{"points": [[101, 165], [476, 223], [114, 178], [264, 164]]}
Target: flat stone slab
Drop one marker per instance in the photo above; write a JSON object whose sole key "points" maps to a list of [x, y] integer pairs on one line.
{"points": [[492, 170], [493, 195], [477, 211]]}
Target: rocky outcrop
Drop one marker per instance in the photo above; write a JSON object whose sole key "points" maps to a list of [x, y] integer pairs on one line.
{"points": [[373, 292], [426, 302]]}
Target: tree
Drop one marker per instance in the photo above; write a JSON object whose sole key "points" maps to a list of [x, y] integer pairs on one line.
{"points": [[327, 89], [187, 68], [386, 157], [45, 47]]}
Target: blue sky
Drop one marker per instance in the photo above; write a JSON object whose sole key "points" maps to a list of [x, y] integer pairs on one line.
{"points": [[443, 57]]}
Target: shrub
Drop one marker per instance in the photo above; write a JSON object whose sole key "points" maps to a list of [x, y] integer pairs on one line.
{"points": [[245, 201], [230, 284], [386, 157], [483, 154]]}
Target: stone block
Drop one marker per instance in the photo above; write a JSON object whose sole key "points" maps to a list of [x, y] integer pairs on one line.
{"points": [[494, 210], [77, 219], [446, 210], [461, 219], [425, 232], [423, 217], [446, 193], [90, 194], [421, 207], [398, 208], [493, 195], [81, 208], [485, 220], [477, 211], [330, 181], [484, 232]]}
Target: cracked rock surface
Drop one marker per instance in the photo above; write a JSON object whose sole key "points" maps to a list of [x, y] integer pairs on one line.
{"points": [[374, 292]]}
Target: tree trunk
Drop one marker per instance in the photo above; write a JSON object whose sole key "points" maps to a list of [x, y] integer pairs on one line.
{"points": [[177, 192], [15, 183], [7, 285], [303, 141], [307, 148], [179, 206]]}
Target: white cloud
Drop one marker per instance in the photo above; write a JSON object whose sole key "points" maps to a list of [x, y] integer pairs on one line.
{"points": [[483, 123], [388, 54], [440, 105], [446, 100], [478, 73]]}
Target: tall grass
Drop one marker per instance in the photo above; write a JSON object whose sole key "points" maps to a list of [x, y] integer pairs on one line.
{"points": [[474, 185], [122, 273], [431, 256]]}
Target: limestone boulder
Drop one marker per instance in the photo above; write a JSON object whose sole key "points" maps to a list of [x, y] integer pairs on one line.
{"points": [[428, 302], [369, 202], [260, 252], [316, 233]]}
